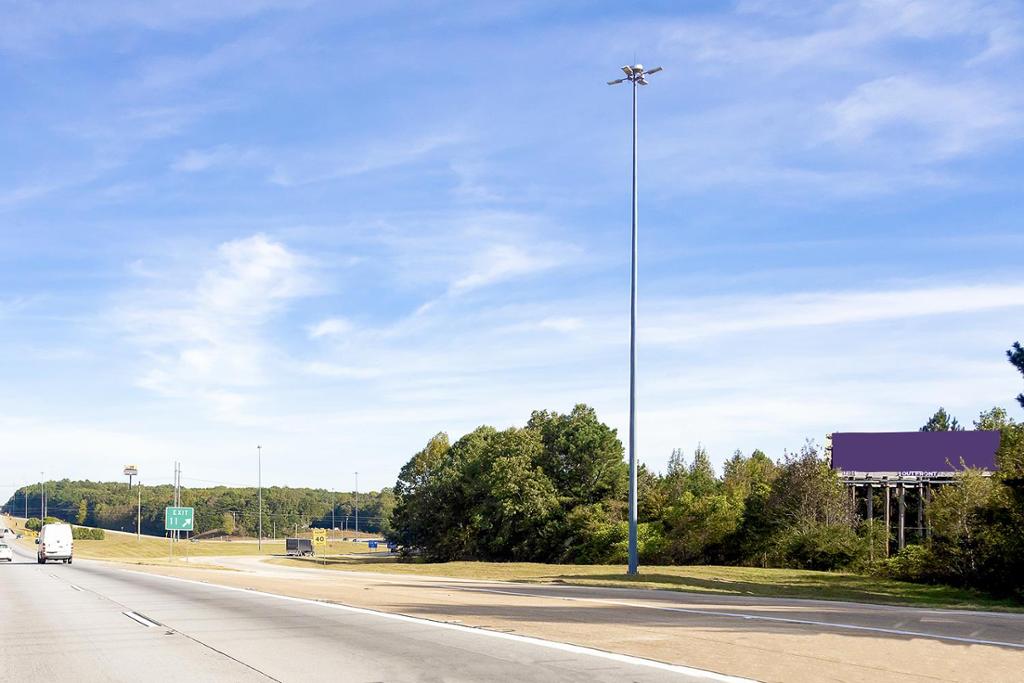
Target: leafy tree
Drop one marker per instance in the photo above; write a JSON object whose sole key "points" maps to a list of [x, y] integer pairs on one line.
{"points": [[995, 418], [517, 500], [228, 523], [1016, 356], [651, 496], [743, 477], [582, 456], [83, 512], [957, 514], [697, 525], [941, 422], [701, 477]]}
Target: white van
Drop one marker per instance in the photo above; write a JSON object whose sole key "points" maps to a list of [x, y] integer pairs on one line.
{"points": [[55, 543]]}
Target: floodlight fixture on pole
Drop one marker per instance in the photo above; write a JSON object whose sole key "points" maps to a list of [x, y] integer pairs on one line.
{"points": [[636, 75]]}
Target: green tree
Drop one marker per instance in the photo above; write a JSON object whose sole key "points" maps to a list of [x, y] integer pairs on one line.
{"points": [[1016, 356], [701, 477], [517, 502], [698, 524], [83, 512], [941, 422], [582, 456], [993, 419], [228, 523], [957, 515]]}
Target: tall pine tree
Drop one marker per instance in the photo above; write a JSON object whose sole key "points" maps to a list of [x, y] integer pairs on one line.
{"points": [[1016, 356]]}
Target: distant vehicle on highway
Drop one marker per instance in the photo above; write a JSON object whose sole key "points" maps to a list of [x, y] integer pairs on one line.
{"points": [[55, 543], [6, 553], [300, 547]]}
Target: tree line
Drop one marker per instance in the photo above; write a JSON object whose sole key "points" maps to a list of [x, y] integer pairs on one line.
{"points": [[555, 491], [224, 509]]}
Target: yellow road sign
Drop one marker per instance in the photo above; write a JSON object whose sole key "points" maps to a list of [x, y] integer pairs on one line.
{"points": [[320, 538]]}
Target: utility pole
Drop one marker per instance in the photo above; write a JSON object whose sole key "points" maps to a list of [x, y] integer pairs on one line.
{"points": [[138, 519], [259, 485], [357, 506], [636, 75]]}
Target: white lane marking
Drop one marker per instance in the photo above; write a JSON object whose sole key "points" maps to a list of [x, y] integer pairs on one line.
{"points": [[550, 644], [759, 617], [135, 616], [80, 590]]}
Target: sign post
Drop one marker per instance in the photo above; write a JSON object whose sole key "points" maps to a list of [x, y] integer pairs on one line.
{"points": [[178, 519]]}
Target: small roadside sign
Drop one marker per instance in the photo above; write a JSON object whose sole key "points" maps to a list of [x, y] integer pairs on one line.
{"points": [[179, 519], [372, 545], [319, 539]]}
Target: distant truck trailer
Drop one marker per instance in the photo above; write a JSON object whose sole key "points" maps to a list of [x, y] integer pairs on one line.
{"points": [[298, 547]]}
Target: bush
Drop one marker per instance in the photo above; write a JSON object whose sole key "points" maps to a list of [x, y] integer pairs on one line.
{"points": [[913, 563], [87, 533], [33, 524], [824, 547]]}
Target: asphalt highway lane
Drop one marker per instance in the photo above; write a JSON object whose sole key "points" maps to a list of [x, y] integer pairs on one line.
{"points": [[94, 622]]}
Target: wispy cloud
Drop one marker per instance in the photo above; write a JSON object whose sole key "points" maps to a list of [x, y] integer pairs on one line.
{"points": [[304, 168], [330, 327], [502, 262], [941, 120], [208, 340], [718, 316], [219, 157]]}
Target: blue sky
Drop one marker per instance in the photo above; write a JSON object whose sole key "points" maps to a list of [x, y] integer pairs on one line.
{"points": [[337, 230]]}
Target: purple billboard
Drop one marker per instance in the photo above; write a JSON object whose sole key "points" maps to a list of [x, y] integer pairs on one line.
{"points": [[914, 451]]}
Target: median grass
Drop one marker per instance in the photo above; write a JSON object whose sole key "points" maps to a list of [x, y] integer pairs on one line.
{"points": [[736, 581], [127, 547]]}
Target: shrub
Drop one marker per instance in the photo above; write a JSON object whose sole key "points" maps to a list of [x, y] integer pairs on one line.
{"points": [[33, 524], [913, 563], [87, 533], [819, 546]]}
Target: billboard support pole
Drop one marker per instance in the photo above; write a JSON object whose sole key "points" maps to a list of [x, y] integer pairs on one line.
{"points": [[871, 522], [903, 514], [888, 522]]}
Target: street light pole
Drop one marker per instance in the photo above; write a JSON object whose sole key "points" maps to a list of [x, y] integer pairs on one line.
{"points": [[357, 506], [138, 519], [636, 75], [259, 484]]}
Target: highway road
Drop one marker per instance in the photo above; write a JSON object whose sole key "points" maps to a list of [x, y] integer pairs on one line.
{"points": [[94, 622]]}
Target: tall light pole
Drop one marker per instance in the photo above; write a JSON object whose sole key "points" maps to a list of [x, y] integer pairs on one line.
{"points": [[636, 75], [259, 484], [138, 519], [357, 506]]}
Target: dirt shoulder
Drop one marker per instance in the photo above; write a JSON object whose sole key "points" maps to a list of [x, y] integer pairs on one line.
{"points": [[765, 639]]}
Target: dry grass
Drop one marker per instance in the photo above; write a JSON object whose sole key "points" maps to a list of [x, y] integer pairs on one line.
{"points": [[126, 547], [740, 581]]}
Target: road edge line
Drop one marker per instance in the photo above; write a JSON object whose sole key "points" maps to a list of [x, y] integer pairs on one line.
{"points": [[531, 640]]}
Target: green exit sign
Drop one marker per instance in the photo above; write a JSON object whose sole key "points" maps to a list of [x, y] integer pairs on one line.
{"points": [[179, 519]]}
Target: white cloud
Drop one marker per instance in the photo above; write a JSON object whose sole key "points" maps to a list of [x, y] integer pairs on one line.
{"points": [[208, 340], [331, 327], [196, 160], [561, 324], [502, 262], [723, 316], [337, 371], [952, 118], [294, 168]]}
